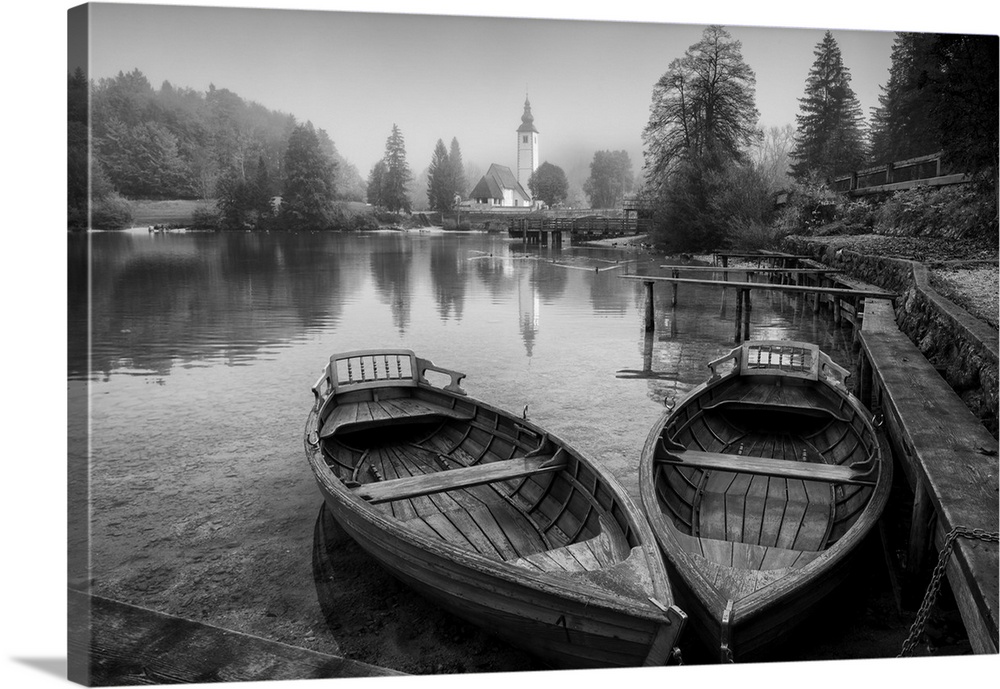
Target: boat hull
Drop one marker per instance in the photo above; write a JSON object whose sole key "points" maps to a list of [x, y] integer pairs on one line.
{"points": [[752, 547], [619, 614]]}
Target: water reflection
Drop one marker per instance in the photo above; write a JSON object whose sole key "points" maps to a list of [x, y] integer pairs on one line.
{"points": [[390, 266], [162, 301], [528, 307], [449, 275]]}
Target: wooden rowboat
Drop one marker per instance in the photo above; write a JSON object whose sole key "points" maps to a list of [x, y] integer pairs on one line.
{"points": [[758, 485], [496, 520]]}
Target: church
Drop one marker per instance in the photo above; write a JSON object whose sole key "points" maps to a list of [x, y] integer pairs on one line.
{"points": [[499, 187]]}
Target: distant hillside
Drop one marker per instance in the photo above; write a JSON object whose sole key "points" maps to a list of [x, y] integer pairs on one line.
{"points": [[174, 143]]}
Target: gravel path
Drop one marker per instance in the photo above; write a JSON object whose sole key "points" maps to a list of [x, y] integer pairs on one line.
{"points": [[964, 271]]}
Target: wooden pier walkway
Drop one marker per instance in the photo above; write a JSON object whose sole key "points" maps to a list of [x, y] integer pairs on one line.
{"points": [[854, 295], [556, 231], [950, 461]]}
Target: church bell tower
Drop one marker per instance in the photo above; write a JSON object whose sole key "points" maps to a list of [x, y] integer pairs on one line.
{"points": [[527, 147]]}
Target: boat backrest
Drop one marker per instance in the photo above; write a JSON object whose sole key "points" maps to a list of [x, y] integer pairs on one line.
{"points": [[784, 358], [371, 368], [790, 359], [375, 368]]}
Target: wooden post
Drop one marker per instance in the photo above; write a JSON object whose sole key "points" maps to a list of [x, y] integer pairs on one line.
{"points": [[865, 381], [673, 300], [920, 531], [746, 314], [836, 309], [859, 315], [819, 283], [650, 320], [739, 315]]}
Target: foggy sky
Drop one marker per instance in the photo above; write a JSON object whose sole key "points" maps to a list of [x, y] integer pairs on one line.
{"points": [[356, 74]]}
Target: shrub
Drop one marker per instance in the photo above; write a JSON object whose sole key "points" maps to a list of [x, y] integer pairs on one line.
{"points": [[957, 212], [110, 212], [205, 218]]}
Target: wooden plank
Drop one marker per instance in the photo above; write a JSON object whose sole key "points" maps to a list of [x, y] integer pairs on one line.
{"points": [[754, 510], [711, 516], [413, 486], [736, 506], [779, 558], [128, 644], [818, 516], [832, 473], [718, 550], [717, 269], [795, 510], [582, 552], [400, 509], [523, 537], [774, 510], [802, 289]]}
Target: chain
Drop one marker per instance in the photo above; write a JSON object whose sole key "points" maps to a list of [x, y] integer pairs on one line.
{"points": [[917, 628], [676, 657]]}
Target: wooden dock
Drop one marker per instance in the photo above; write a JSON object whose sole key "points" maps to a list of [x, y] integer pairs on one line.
{"points": [[836, 295], [114, 643], [950, 462], [557, 231]]}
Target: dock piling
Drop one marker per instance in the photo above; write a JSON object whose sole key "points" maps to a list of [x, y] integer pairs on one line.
{"points": [[650, 320]]}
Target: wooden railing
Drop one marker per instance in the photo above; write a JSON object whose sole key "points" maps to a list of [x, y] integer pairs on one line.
{"points": [[903, 174]]}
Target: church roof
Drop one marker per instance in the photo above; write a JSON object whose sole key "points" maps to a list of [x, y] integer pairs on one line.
{"points": [[527, 119], [496, 179]]}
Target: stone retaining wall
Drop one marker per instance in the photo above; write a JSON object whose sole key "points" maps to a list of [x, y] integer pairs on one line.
{"points": [[961, 347]]}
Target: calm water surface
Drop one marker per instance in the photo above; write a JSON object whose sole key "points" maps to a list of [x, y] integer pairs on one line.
{"points": [[204, 348]]}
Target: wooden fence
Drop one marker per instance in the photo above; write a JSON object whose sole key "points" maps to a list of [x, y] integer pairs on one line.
{"points": [[903, 174]]}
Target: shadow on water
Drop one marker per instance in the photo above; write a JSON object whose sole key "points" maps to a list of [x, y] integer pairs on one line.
{"points": [[376, 619]]}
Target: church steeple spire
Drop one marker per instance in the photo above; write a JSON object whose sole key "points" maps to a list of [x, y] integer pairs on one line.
{"points": [[527, 145], [527, 119]]}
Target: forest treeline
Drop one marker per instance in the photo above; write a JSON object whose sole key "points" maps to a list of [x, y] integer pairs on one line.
{"points": [[178, 143], [711, 173]]}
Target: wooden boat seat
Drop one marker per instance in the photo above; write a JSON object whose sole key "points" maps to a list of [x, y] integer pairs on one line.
{"points": [[358, 416], [778, 397], [808, 471], [454, 479]]}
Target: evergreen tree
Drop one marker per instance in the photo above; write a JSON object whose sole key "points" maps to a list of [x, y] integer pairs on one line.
{"points": [[703, 107], [397, 174], [376, 183], [549, 184], [610, 179], [903, 126], [308, 193], [440, 180], [965, 81], [829, 135], [457, 169]]}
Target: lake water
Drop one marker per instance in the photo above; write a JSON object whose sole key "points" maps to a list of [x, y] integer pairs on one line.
{"points": [[204, 348]]}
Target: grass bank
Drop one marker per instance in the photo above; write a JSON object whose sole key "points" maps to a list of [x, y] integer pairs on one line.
{"points": [[171, 212]]}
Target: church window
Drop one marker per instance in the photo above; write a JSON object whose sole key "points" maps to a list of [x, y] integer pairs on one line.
{"points": [[524, 139]]}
